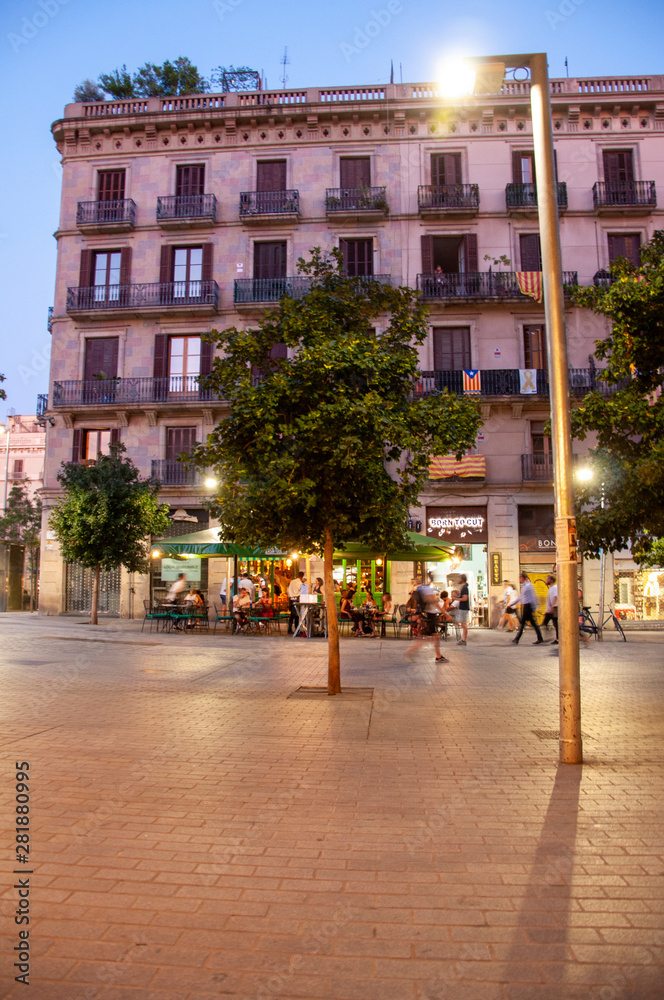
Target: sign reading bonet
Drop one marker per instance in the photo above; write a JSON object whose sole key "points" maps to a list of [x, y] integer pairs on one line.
{"points": [[459, 525]]}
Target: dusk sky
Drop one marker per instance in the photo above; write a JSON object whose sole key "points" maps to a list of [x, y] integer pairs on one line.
{"points": [[52, 45]]}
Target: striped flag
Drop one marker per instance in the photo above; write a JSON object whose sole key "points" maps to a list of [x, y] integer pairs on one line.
{"points": [[447, 467], [530, 283], [472, 381]]}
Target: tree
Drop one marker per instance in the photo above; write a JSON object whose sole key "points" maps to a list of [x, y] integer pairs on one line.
{"points": [[117, 84], [89, 91], [236, 78], [151, 80], [21, 522], [106, 515], [624, 503], [331, 444]]}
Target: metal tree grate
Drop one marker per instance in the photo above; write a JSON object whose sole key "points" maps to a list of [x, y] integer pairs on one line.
{"points": [[553, 734]]}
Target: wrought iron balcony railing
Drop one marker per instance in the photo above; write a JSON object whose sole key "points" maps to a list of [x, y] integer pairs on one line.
{"points": [[448, 196], [269, 203], [624, 194], [602, 279], [42, 404], [362, 199], [127, 391], [525, 195], [183, 207], [249, 290], [96, 213], [507, 382], [170, 294], [480, 285], [536, 468], [170, 472]]}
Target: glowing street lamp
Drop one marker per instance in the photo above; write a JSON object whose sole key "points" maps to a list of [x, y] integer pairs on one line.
{"points": [[488, 79]]}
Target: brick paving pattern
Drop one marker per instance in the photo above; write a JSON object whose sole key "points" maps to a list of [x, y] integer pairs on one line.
{"points": [[202, 829]]}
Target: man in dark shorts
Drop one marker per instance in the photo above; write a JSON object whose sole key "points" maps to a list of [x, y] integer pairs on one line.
{"points": [[464, 609]]}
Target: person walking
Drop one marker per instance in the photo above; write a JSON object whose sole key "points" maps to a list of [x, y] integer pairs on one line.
{"points": [[177, 589], [528, 600], [294, 591], [507, 617], [428, 610], [551, 610], [464, 609]]}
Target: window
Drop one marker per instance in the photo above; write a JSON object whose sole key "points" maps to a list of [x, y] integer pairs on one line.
{"points": [[523, 167], [189, 181], [101, 358], [534, 346], [271, 175], [445, 168], [18, 469], [531, 254], [453, 254], [358, 257], [179, 440], [540, 446], [618, 166], [90, 441], [106, 275], [111, 185], [184, 363], [269, 260], [451, 348], [187, 272], [355, 172], [627, 245]]}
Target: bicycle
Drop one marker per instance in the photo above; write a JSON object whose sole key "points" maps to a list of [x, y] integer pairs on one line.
{"points": [[588, 624]]}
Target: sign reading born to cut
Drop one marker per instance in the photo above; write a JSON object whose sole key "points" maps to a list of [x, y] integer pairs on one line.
{"points": [[459, 525]]}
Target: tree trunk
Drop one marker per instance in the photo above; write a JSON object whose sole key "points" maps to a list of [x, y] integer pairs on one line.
{"points": [[95, 595], [333, 666]]}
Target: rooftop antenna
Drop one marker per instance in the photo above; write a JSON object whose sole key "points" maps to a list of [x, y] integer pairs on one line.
{"points": [[285, 62], [566, 66]]}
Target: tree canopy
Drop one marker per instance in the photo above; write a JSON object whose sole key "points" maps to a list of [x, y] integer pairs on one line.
{"points": [[106, 514], [330, 444], [624, 503], [21, 522], [151, 80]]}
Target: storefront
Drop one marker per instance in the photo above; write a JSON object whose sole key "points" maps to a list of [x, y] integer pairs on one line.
{"points": [[537, 546], [639, 594], [466, 529]]}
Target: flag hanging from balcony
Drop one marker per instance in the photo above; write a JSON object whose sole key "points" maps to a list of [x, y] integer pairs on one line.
{"points": [[530, 283], [472, 381], [527, 381], [447, 467]]}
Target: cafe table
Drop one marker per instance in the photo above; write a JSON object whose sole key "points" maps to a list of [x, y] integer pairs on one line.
{"points": [[307, 612]]}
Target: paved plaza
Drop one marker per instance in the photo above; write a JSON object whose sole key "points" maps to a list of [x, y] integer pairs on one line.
{"points": [[202, 826]]}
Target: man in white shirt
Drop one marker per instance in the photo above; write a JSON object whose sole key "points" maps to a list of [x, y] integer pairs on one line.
{"points": [[551, 610], [177, 587], [294, 591], [248, 585], [528, 600]]}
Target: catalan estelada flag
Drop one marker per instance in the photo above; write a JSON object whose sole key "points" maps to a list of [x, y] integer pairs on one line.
{"points": [[530, 283], [472, 381]]}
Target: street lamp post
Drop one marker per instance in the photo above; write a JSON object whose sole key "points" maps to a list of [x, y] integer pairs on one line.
{"points": [[489, 75]]}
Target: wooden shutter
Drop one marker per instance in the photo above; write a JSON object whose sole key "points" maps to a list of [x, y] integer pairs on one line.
{"points": [[625, 245], [534, 346], [355, 172], [271, 175], [111, 185], [470, 253], [160, 360], [531, 254], [206, 269], [179, 440], [115, 435], [451, 348], [269, 260], [618, 166], [76, 445], [190, 180], [125, 266], [517, 166], [445, 168], [207, 354], [85, 269], [101, 355], [166, 265], [427, 254], [358, 257]]}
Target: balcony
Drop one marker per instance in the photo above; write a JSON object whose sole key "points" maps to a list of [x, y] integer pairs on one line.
{"points": [[448, 199], [480, 285], [186, 211], [130, 391], [537, 468], [269, 206], [255, 290], [507, 382], [356, 203], [602, 279], [630, 197], [42, 405], [523, 197], [117, 216], [170, 472], [192, 297]]}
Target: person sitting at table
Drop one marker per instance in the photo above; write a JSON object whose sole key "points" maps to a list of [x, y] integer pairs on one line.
{"points": [[241, 607], [264, 604], [194, 598], [347, 610], [318, 587]]}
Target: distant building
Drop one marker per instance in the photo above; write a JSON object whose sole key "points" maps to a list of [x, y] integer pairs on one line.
{"points": [[182, 214], [22, 450]]}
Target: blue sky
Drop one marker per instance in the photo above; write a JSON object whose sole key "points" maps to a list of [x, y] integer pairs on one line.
{"points": [[48, 46]]}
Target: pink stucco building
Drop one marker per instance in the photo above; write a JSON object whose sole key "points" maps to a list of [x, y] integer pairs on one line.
{"points": [[183, 214]]}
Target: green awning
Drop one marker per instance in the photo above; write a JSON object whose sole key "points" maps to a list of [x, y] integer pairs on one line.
{"points": [[421, 547]]}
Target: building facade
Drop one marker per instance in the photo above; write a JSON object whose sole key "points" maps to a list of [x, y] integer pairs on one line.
{"points": [[180, 215], [23, 444]]}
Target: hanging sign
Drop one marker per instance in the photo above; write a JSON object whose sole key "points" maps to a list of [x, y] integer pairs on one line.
{"points": [[496, 569]]}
